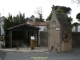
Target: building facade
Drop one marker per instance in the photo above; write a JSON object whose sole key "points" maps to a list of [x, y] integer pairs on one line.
{"points": [[76, 28], [1, 26], [59, 32]]}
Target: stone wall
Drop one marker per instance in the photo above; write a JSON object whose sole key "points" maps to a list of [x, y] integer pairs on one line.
{"points": [[44, 38], [75, 39]]}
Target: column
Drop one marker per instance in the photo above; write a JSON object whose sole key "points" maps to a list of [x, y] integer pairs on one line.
{"points": [[38, 38], [10, 39], [35, 35]]}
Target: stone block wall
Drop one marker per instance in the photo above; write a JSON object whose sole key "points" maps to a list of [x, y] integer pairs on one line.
{"points": [[75, 39], [44, 38]]}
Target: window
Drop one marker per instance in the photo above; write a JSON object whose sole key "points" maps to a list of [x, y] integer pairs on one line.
{"points": [[76, 28], [53, 23]]}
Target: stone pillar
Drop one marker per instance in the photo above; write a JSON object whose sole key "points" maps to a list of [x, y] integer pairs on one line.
{"points": [[10, 34], [59, 32], [39, 38], [49, 39], [35, 35]]}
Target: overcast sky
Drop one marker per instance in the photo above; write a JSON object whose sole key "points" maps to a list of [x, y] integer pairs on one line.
{"points": [[30, 6]]}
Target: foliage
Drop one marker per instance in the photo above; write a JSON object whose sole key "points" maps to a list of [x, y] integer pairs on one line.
{"points": [[70, 19], [59, 10], [74, 24], [49, 17], [39, 20], [66, 10], [39, 12], [78, 16], [32, 18], [12, 21]]}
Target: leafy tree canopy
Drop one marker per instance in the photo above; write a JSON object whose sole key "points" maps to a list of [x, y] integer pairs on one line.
{"points": [[78, 16], [49, 17], [13, 20], [70, 19], [61, 9], [64, 9], [75, 23]]}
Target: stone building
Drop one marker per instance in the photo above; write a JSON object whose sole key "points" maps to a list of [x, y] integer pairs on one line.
{"points": [[59, 34], [23, 32], [43, 34]]}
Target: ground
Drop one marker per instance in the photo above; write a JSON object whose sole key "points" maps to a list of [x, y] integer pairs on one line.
{"points": [[73, 55]]}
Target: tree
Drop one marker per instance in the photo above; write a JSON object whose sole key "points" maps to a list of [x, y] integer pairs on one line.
{"points": [[78, 16], [74, 24], [39, 13], [49, 17], [61, 9], [12, 21], [32, 18], [64, 9], [70, 19], [76, 1]]}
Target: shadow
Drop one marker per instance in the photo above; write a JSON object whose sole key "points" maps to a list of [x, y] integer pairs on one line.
{"points": [[2, 55]]}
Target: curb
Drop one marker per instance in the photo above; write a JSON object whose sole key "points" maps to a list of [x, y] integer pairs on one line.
{"points": [[32, 51]]}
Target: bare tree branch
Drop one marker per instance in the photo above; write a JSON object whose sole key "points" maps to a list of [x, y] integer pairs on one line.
{"points": [[75, 1]]}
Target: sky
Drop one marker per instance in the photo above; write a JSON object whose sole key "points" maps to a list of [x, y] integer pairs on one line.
{"points": [[29, 7]]}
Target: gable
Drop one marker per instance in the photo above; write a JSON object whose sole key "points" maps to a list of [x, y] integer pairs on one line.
{"points": [[62, 18]]}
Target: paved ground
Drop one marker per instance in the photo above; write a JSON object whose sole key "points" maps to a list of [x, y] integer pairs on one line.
{"points": [[28, 49], [2, 55], [73, 55]]}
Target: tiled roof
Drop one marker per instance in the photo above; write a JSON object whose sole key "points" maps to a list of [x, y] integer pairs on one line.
{"points": [[30, 24], [38, 23], [62, 18], [20, 25]]}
